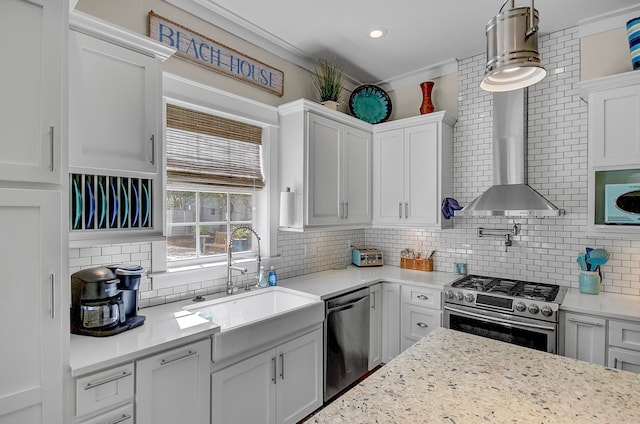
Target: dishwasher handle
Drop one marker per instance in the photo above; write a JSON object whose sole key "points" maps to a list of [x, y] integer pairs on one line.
{"points": [[348, 305]]}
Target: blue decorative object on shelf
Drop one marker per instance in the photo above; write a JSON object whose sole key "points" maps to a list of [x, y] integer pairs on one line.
{"points": [[370, 104], [633, 31]]}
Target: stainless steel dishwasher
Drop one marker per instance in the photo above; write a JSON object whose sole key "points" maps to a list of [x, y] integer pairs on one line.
{"points": [[346, 340]]}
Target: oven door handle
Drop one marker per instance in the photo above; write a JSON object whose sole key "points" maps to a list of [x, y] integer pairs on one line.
{"points": [[501, 321]]}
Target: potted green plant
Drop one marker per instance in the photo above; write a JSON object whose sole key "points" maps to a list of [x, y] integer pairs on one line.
{"points": [[327, 79]]}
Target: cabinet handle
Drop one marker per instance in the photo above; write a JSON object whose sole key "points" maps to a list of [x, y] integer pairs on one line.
{"points": [[422, 325], [51, 148], [273, 364], [346, 210], [576, 321], [153, 149], [422, 297], [106, 380], [123, 418], [177, 358], [615, 362], [341, 210], [400, 210], [282, 366], [406, 209], [373, 300], [52, 289]]}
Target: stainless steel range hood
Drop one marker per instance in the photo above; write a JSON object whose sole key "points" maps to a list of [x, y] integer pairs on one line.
{"points": [[510, 195]]}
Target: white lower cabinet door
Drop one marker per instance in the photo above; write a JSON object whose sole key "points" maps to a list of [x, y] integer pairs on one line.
{"points": [[390, 321], [299, 379], [281, 385], [32, 335], [375, 326], [585, 338], [245, 393], [173, 387]]}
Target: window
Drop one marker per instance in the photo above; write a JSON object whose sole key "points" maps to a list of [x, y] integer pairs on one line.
{"points": [[214, 168], [198, 222]]}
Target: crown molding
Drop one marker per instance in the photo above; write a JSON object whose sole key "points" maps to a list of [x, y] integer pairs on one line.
{"points": [[608, 21]]}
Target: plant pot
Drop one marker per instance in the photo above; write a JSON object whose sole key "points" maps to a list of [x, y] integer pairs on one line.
{"points": [[330, 104]]}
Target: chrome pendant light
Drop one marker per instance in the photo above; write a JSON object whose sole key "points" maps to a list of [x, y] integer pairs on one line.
{"points": [[513, 60]]}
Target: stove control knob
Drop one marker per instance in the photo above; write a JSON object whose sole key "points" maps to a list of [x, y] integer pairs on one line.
{"points": [[459, 296], [521, 307], [534, 309], [468, 297], [449, 294], [546, 311]]}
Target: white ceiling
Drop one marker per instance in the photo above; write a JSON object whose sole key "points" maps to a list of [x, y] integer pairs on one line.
{"points": [[423, 35]]}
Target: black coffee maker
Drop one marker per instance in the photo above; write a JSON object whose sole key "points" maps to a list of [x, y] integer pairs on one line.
{"points": [[103, 304]]}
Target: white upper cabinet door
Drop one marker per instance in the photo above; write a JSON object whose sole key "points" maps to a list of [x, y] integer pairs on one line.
{"points": [[421, 174], [324, 146], [114, 107], [31, 89], [614, 127], [388, 157], [355, 202], [31, 315], [412, 170]]}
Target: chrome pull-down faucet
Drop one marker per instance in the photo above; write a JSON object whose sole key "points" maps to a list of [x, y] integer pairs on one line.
{"points": [[231, 267]]}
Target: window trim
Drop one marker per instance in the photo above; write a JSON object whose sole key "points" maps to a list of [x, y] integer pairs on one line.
{"points": [[181, 91]]}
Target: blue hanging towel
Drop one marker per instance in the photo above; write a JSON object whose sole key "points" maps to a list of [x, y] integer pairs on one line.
{"points": [[449, 206]]}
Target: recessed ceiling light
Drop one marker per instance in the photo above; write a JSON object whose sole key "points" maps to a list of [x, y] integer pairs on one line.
{"points": [[377, 33]]}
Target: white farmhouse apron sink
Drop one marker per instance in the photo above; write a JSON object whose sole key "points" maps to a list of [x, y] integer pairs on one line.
{"points": [[256, 318]]}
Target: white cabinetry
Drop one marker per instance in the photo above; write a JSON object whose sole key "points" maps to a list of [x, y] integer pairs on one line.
{"points": [[34, 325], [105, 393], [614, 141], [31, 107], [412, 170], [325, 158], [115, 99], [390, 321], [280, 385], [421, 313], [174, 386], [585, 338], [624, 346], [375, 326]]}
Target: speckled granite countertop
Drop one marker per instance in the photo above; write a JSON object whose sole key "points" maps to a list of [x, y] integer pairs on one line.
{"points": [[454, 377]]}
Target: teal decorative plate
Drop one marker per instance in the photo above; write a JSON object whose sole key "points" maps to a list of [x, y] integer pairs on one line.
{"points": [[370, 103]]}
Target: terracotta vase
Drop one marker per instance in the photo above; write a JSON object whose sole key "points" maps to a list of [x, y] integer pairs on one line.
{"points": [[427, 104]]}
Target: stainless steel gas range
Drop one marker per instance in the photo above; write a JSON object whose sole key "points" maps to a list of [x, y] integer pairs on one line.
{"points": [[518, 312]]}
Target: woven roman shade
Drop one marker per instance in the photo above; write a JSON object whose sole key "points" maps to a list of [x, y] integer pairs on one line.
{"points": [[208, 150]]}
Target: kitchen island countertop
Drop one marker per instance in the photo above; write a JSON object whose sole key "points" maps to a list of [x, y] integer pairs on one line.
{"points": [[454, 377]]}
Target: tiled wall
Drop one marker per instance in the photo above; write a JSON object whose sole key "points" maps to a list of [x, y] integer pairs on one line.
{"points": [[545, 250]]}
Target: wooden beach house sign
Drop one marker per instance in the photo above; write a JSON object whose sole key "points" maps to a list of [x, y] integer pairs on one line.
{"points": [[212, 55]]}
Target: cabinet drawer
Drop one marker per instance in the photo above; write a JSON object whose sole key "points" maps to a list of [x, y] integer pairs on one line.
{"points": [[428, 298], [104, 389], [418, 322], [122, 415], [624, 334]]}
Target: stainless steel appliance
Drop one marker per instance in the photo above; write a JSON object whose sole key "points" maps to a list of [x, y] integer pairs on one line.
{"points": [[102, 304], [518, 312], [366, 257], [622, 204], [346, 340]]}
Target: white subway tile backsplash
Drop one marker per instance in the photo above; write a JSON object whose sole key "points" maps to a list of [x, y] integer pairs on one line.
{"points": [[545, 250]]}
